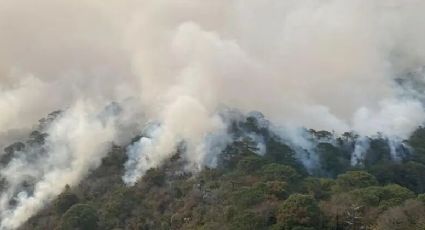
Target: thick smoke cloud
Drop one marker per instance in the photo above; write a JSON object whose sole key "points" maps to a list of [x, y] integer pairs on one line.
{"points": [[77, 142], [319, 64]]}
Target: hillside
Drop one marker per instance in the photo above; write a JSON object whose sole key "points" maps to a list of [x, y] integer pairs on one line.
{"points": [[213, 114], [251, 190]]}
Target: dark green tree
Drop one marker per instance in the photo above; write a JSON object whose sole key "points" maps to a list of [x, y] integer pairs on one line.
{"points": [[354, 179], [79, 217], [65, 200], [248, 221], [383, 197], [333, 160], [299, 211], [378, 153], [250, 164], [280, 172], [410, 175]]}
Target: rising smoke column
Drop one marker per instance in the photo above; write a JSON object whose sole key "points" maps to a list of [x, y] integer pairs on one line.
{"points": [[318, 64], [77, 141]]}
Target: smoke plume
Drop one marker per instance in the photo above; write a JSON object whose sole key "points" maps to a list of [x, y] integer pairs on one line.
{"points": [[352, 65]]}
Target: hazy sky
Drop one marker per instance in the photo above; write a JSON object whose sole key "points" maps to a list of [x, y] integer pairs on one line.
{"points": [[324, 64]]}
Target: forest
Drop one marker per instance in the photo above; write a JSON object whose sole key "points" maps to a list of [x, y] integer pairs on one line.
{"points": [[248, 190], [212, 115]]}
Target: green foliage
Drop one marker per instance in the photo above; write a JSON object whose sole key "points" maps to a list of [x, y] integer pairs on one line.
{"points": [[248, 191], [320, 134], [250, 164], [395, 195], [410, 174], [247, 220], [278, 152], [154, 177], [65, 200], [280, 172], [79, 216], [383, 197], [378, 153], [247, 197], [353, 180], [118, 206], [417, 142], [319, 188], [299, 211], [421, 198], [230, 157], [332, 160], [277, 189]]}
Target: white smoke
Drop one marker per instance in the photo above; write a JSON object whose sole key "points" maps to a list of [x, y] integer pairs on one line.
{"points": [[163, 141], [393, 118], [360, 148], [77, 142], [318, 64]]}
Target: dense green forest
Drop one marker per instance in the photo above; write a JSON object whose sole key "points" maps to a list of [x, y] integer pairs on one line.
{"points": [[248, 190]]}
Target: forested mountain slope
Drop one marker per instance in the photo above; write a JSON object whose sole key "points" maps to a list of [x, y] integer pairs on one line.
{"points": [[252, 188]]}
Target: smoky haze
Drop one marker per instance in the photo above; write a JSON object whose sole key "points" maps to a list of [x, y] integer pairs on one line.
{"points": [[318, 64]]}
